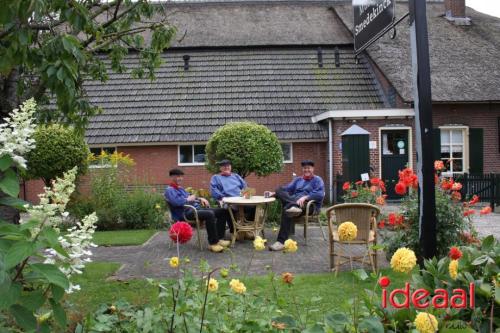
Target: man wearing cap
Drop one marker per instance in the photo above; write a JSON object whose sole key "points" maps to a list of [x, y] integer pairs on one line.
{"points": [[229, 184], [226, 183], [293, 198], [215, 218]]}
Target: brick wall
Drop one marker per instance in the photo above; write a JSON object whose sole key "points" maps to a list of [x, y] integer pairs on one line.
{"points": [[483, 116], [153, 163]]}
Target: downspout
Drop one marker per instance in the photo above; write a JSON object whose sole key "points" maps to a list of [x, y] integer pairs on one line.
{"points": [[330, 159]]}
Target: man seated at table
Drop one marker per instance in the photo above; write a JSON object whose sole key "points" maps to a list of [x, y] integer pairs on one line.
{"points": [[228, 184], [293, 199], [215, 218]]}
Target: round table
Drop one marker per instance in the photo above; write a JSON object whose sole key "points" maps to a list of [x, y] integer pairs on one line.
{"points": [[240, 223]]}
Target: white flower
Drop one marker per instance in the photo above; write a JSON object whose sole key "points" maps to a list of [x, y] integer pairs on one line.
{"points": [[16, 133]]}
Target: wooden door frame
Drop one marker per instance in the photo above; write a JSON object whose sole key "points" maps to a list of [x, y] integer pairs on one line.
{"points": [[410, 144]]}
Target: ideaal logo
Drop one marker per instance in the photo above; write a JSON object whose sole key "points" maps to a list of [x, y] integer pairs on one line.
{"points": [[420, 298]]}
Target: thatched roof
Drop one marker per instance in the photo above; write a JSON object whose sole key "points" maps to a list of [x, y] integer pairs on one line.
{"points": [[465, 60]]}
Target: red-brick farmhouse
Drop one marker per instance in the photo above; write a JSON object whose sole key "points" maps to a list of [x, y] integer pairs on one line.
{"points": [[290, 66]]}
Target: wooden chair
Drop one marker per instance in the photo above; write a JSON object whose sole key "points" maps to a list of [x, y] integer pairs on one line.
{"points": [[364, 216], [311, 215], [194, 222]]}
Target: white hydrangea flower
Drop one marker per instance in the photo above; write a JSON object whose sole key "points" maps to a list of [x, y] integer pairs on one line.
{"points": [[17, 131]]}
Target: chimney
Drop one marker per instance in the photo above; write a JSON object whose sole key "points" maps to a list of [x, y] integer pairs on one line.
{"points": [[320, 57], [454, 10], [186, 61]]}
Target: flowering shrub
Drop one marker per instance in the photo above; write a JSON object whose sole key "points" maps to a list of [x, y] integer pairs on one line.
{"points": [[454, 218], [32, 290], [372, 192]]}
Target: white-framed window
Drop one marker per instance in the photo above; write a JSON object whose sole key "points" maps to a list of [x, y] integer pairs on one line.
{"points": [[96, 151], [191, 155], [287, 149], [454, 149]]}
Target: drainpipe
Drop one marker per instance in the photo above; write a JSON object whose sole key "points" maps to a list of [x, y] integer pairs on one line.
{"points": [[330, 159]]}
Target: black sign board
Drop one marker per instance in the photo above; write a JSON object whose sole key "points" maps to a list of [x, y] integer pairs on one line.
{"points": [[371, 17]]}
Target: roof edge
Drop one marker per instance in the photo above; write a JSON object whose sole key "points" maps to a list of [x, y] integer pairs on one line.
{"points": [[363, 114]]}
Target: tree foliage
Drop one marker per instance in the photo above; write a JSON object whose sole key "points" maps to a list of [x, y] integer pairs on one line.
{"points": [[251, 148], [48, 48], [58, 149]]}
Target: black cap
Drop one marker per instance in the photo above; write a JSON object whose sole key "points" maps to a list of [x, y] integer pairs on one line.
{"points": [[224, 162], [307, 162], [176, 172]]}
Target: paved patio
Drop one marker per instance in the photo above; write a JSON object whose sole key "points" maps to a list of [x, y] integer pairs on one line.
{"points": [[151, 259]]}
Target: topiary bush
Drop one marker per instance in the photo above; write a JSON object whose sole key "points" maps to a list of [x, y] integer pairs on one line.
{"points": [[251, 148], [58, 149]]}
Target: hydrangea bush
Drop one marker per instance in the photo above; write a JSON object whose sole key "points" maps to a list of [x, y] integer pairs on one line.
{"points": [[36, 260]]}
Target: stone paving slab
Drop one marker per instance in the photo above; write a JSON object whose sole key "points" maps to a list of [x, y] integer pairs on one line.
{"points": [[150, 260]]}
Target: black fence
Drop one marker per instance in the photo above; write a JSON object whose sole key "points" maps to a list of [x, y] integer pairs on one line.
{"points": [[486, 186]]}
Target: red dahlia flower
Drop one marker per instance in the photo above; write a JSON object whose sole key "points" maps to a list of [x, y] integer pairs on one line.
{"points": [[474, 200], [181, 232], [354, 194], [456, 186], [359, 182], [400, 188], [346, 186], [455, 195], [438, 165], [455, 253], [375, 181], [469, 212], [486, 210]]}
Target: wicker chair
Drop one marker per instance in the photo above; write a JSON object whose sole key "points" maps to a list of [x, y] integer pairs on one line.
{"points": [[311, 215], [364, 216], [194, 222]]}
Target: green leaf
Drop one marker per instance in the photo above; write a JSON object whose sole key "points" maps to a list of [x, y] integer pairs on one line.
{"points": [[488, 243], [32, 300], [314, 329], [9, 184], [24, 317], [50, 235], [360, 274], [336, 320], [57, 292], [10, 293], [371, 325], [481, 260], [14, 202], [289, 322], [52, 274], [18, 252], [5, 162], [59, 313]]}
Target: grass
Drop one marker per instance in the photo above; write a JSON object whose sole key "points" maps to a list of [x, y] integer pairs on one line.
{"points": [[333, 293], [123, 237]]}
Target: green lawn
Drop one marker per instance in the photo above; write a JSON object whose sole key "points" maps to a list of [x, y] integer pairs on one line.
{"points": [[122, 237], [335, 292]]}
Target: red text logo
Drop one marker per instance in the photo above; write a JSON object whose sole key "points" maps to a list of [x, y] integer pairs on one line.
{"points": [[422, 298]]}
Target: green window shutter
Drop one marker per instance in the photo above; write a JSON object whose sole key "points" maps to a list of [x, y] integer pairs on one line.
{"points": [[436, 137], [476, 150]]}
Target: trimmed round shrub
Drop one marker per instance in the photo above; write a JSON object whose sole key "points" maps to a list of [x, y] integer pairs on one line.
{"points": [[251, 148], [58, 149]]}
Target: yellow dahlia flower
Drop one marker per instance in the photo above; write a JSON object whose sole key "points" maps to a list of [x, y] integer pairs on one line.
{"points": [[174, 262], [347, 231], [259, 244], [453, 269], [403, 260], [213, 285], [237, 286], [290, 246], [426, 323]]}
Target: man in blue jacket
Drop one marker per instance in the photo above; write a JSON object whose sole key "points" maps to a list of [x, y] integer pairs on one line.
{"points": [[293, 198], [215, 218], [229, 184]]}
